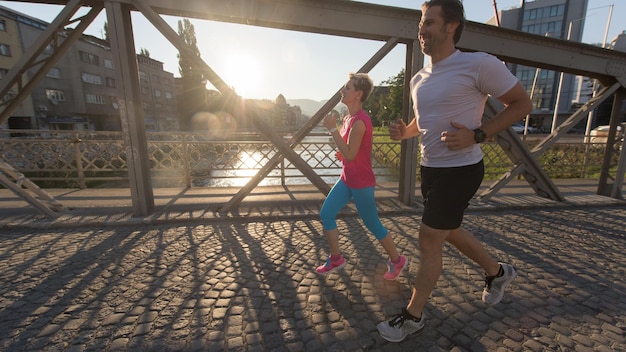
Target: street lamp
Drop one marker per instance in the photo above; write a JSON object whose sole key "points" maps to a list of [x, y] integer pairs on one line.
{"points": [[595, 81], [558, 87]]}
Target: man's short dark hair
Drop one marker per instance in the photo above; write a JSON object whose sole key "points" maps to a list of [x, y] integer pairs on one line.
{"points": [[451, 11]]}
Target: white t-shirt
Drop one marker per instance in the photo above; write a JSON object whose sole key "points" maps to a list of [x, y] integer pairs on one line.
{"points": [[455, 89]]}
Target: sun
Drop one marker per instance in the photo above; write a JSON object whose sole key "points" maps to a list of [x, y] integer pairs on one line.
{"points": [[244, 73]]}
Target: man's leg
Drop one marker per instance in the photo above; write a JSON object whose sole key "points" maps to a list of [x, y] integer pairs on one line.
{"points": [[411, 319], [497, 275], [431, 242], [471, 247]]}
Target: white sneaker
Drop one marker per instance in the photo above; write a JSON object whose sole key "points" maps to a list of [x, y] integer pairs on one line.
{"points": [[494, 285], [400, 326]]}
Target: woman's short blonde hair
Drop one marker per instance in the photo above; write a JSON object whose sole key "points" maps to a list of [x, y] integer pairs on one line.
{"points": [[364, 83]]}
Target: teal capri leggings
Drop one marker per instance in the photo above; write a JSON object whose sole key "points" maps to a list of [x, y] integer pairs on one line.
{"points": [[365, 202]]}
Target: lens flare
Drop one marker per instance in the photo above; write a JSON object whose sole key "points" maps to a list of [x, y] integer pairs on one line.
{"points": [[219, 125]]}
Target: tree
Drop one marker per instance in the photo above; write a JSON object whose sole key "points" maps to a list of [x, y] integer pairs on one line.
{"points": [[193, 95], [395, 97], [106, 31], [385, 104]]}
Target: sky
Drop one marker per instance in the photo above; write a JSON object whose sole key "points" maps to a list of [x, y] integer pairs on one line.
{"points": [[261, 63]]}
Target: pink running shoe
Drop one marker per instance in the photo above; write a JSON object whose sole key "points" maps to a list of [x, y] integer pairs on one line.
{"points": [[331, 265], [395, 269]]}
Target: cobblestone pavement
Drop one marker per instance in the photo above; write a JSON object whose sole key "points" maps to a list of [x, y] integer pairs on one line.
{"points": [[234, 286]]}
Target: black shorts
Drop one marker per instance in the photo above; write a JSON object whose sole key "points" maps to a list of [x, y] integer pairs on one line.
{"points": [[447, 192]]}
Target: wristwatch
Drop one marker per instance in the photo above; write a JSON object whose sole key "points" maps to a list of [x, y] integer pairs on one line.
{"points": [[479, 135]]}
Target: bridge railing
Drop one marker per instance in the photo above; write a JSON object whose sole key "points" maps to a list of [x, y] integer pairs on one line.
{"points": [[83, 159]]}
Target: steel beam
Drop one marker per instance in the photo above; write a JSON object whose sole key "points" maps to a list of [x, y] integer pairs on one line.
{"points": [[533, 50], [525, 162], [522, 159], [380, 22], [373, 22], [409, 147], [39, 65], [604, 185], [304, 130], [30, 192], [131, 108]]}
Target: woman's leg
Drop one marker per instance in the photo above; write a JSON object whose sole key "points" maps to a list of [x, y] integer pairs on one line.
{"points": [[365, 202], [337, 198]]}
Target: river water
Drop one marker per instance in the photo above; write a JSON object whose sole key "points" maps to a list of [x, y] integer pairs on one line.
{"points": [[321, 158]]}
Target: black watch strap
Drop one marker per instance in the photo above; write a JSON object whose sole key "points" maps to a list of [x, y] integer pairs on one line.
{"points": [[479, 135]]}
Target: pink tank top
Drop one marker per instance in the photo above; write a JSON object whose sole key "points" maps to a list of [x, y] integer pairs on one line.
{"points": [[358, 173]]}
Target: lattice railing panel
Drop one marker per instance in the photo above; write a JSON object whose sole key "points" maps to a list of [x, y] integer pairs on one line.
{"points": [[177, 157], [103, 156], [39, 155]]}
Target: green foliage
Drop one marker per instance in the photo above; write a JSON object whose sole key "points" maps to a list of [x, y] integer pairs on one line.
{"points": [[187, 70], [560, 161], [106, 31], [193, 96], [385, 104], [395, 97], [385, 150]]}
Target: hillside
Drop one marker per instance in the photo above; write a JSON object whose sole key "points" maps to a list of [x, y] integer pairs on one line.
{"points": [[309, 106]]}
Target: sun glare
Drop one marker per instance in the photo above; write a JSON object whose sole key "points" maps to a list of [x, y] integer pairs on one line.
{"points": [[244, 73]]}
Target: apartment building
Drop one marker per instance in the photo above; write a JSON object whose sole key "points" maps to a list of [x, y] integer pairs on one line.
{"points": [[11, 49], [562, 19], [157, 89], [81, 91]]}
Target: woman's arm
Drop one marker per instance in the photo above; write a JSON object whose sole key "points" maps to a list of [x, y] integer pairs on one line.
{"points": [[351, 149]]}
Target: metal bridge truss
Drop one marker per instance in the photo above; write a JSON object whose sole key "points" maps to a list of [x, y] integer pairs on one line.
{"points": [[389, 25]]}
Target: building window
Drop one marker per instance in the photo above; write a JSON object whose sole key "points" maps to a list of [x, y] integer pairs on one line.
{"points": [[92, 79], [54, 72], [557, 10], [32, 22], [55, 95], [108, 63], [3, 72], [168, 95], [5, 50], [3, 25], [89, 58], [143, 76], [157, 93], [110, 82], [95, 99]]}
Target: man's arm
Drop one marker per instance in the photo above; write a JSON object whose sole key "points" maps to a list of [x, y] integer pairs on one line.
{"points": [[400, 130], [517, 105]]}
